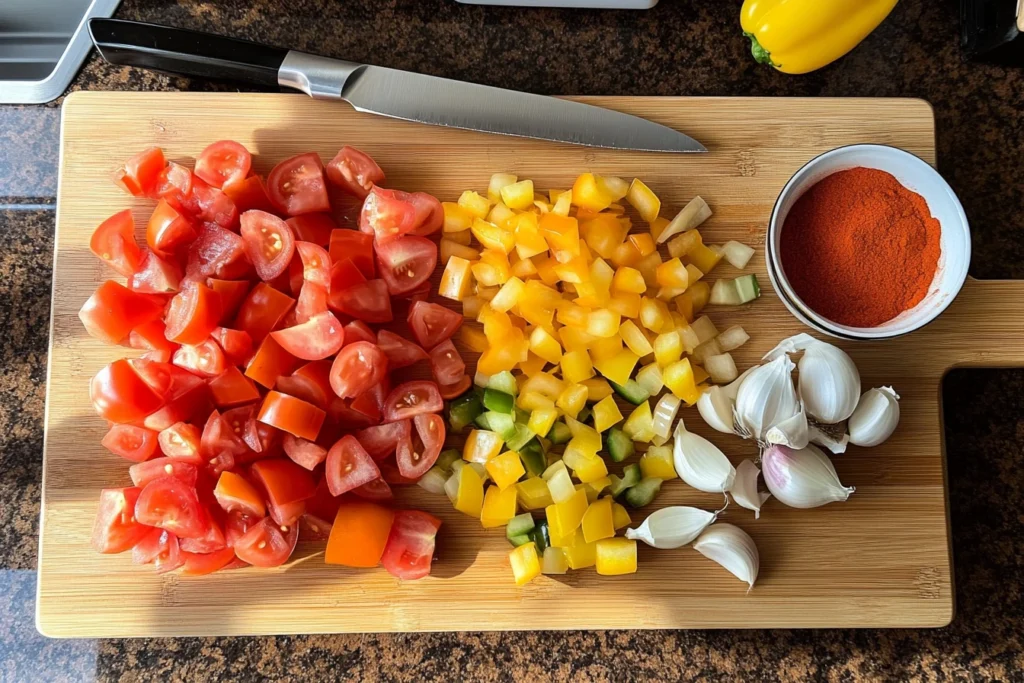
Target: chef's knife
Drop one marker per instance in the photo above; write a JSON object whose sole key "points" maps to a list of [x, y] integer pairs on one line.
{"points": [[379, 90]]}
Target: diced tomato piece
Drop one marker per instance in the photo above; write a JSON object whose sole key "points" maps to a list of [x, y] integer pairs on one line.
{"points": [[307, 454], [356, 246], [446, 363], [232, 293], [356, 368], [348, 466], [205, 359], [311, 383], [113, 311], [171, 504], [118, 394], [406, 263], [366, 404], [210, 205], [380, 441], [313, 528], [315, 228], [270, 362], [367, 301], [452, 391], [151, 336], [432, 324], [297, 186], [359, 534], [413, 462], [116, 529], [389, 473], [220, 437], [317, 338], [267, 543], [201, 564], [262, 310], [173, 184], [137, 444], [378, 489], [231, 389], [193, 314], [380, 391], [287, 515], [260, 437], [237, 523], [355, 172], [145, 472], [316, 263], [292, 415], [159, 548], [250, 193], [410, 547], [236, 344], [114, 242], [410, 399], [284, 481], [400, 351], [220, 464], [323, 506], [140, 174], [234, 493], [156, 275], [344, 274], [223, 163], [356, 331], [181, 440], [313, 300], [429, 212], [168, 229], [217, 252], [269, 243], [388, 214], [212, 539], [186, 395]]}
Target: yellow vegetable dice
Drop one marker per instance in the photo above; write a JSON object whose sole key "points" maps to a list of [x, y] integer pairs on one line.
{"points": [[560, 486], [603, 323], [509, 294], [576, 366], [619, 368], [648, 267], [575, 270], [668, 348], [456, 280], [625, 255], [599, 485], [561, 202], [598, 521], [498, 507], [628, 279], [678, 377], [566, 517], [504, 354], [545, 383], [635, 339], [449, 248], [580, 554], [657, 463], [492, 269], [586, 193], [605, 349], [639, 426], [620, 517], [498, 181], [625, 304], [644, 243], [589, 439], [545, 346], [473, 337], [493, 236], [475, 204], [575, 339], [518, 195], [525, 563], [532, 365], [654, 314], [681, 245], [456, 218], [672, 273], [533, 494], [572, 399], [693, 273], [500, 215], [562, 233], [699, 374], [590, 470], [604, 233], [529, 241], [469, 496], [597, 389], [524, 268], [703, 257], [561, 541], [505, 469], [615, 556], [641, 198], [481, 446], [572, 314], [534, 400], [606, 414]]}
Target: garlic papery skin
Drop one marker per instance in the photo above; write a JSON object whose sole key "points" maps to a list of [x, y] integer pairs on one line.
{"points": [[829, 382], [744, 488], [700, 463], [765, 398], [822, 438], [715, 407], [875, 418], [802, 478], [733, 548], [792, 432], [672, 527]]}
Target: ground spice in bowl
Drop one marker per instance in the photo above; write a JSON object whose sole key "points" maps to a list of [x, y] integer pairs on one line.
{"points": [[859, 248]]}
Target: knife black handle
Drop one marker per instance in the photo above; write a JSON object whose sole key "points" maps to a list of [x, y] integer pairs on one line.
{"points": [[184, 52]]}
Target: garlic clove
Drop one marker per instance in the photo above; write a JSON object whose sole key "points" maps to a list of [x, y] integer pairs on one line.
{"points": [[821, 437], [672, 527], [875, 418], [792, 432], [829, 382], [802, 478], [700, 463], [732, 388], [766, 398], [715, 407], [744, 488], [731, 547]]}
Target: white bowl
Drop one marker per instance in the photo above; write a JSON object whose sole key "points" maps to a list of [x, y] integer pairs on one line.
{"points": [[915, 175]]}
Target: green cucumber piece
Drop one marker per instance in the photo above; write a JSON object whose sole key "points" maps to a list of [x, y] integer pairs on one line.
{"points": [[585, 414], [643, 493], [559, 433], [521, 437], [447, 457], [501, 423], [618, 445], [498, 401], [532, 456], [540, 535], [519, 525], [741, 290], [617, 486], [521, 416], [631, 391], [464, 410], [505, 382], [522, 539], [630, 477], [482, 422]]}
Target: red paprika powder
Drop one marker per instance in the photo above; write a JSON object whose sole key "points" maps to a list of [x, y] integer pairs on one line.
{"points": [[859, 248]]}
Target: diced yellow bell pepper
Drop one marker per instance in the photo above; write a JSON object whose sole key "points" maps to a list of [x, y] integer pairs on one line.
{"points": [[576, 270], [545, 383], [509, 294], [672, 273], [586, 193], [571, 314], [505, 469], [525, 563], [654, 314], [541, 420], [497, 324], [545, 345], [625, 254], [501, 216], [599, 485], [498, 181], [658, 226], [589, 438], [628, 279], [615, 556], [625, 304], [644, 243], [465, 238], [492, 268], [553, 469], [603, 323], [604, 233], [561, 203], [649, 378], [693, 273], [576, 366], [614, 187], [597, 389], [469, 497], [456, 218], [534, 400], [657, 462], [700, 375], [524, 268], [499, 505], [481, 446], [678, 377], [635, 339], [561, 233], [668, 348], [575, 339], [546, 270], [605, 348], [591, 469], [541, 206], [620, 517], [504, 356], [529, 241], [533, 494], [450, 248], [592, 493], [648, 267], [601, 275], [606, 414], [618, 368], [493, 236], [597, 521], [666, 294], [681, 245], [473, 337], [643, 200], [703, 257], [475, 204], [532, 365], [560, 486], [572, 400], [518, 195], [485, 293], [564, 518], [561, 542], [639, 426], [456, 279], [700, 292], [684, 305], [580, 554]]}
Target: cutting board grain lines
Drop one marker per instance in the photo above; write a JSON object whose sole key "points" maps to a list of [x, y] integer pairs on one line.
{"points": [[882, 559]]}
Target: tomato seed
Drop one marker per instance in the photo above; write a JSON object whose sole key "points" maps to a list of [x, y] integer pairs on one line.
{"points": [[262, 545]]}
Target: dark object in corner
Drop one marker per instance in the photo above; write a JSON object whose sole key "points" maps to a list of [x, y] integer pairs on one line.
{"points": [[993, 31]]}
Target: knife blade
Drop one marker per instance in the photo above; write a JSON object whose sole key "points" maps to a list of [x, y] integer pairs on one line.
{"points": [[381, 90]]}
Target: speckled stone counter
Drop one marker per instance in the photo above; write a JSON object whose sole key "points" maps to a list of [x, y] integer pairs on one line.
{"points": [[679, 48]]}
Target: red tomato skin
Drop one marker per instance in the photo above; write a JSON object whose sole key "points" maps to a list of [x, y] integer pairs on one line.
{"points": [[400, 351], [116, 529], [387, 214], [269, 243], [186, 396], [377, 489], [356, 331], [431, 432], [220, 437], [432, 324], [316, 263], [204, 359], [354, 245], [181, 441], [380, 441], [311, 383], [453, 391], [231, 389], [410, 399], [367, 301], [156, 275], [270, 362], [313, 300], [355, 172], [159, 548], [406, 263], [348, 466], [250, 193], [293, 415], [236, 344], [131, 442], [366, 404], [317, 338], [446, 363], [217, 253], [173, 183], [168, 229], [193, 314], [113, 311], [306, 454], [296, 185], [223, 163], [118, 394], [262, 310], [207, 204], [315, 228], [201, 564], [277, 545], [429, 212], [145, 472], [170, 504], [212, 539], [140, 174], [356, 368], [232, 293], [323, 504], [114, 243], [287, 515], [410, 547], [389, 473], [344, 274]]}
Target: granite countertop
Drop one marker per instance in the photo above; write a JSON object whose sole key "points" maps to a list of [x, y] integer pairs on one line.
{"points": [[682, 47]]}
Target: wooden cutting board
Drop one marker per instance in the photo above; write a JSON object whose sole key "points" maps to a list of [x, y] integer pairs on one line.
{"points": [[881, 559]]}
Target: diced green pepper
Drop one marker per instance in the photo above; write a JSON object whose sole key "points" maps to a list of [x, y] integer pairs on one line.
{"points": [[501, 423], [522, 539], [522, 436], [464, 410], [631, 391], [540, 535], [532, 456], [586, 412], [498, 401], [643, 493], [619, 445], [505, 382], [519, 525], [559, 433], [630, 477]]}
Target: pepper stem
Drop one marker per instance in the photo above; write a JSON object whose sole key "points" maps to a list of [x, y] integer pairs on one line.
{"points": [[761, 55]]}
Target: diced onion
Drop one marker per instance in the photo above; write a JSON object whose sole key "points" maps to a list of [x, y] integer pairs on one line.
{"points": [[692, 215], [722, 368], [434, 480], [451, 487], [704, 328], [649, 379], [705, 351], [690, 338], [732, 338], [738, 255], [554, 561], [665, 414]]}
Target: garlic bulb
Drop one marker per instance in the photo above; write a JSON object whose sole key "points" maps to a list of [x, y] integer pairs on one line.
{"points": [[744, 488], [802, 478], [792, 432], [699, 463], [875, 418], [765, 399], [672, 527], [731, 547], [829, 381], [715, 407], [826, 439]]}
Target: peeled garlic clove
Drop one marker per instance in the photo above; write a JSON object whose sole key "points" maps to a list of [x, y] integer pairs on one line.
{"points": [[672, 527], [792, 432], [802, 478], [744, 489], [732, 388], [715, 407], [875, 418], [820, 437], [700, 463], [829, 382], [731, 547], [766, 398]]}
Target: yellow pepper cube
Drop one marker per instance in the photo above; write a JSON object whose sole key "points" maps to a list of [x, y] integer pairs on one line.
{"points": [[588, 194], [500, 215], [493, 236], [625, 304], [505, 469], [639, 426], [597, 389], [545, 346], [592, 494], [499, 506], [464, 238], [592, 295], [509, 294], [618, 368], [628, 279], [684, 305], [576, 366], [649, 378], [668, 348], [648, 267], [473, 337], [572, 399], [580, 554], [635, 340], [604, 233], [601, 275], [701, 292], [672, 273], [614, 187], [564, 518], [625, 254], [541, 420], [599, 485], [654, 314], [456, 218], [620, 517], [533, 494], [534, 400], [532, 365], [561, 202], [498, 181], [524, 268], [518, 195], [657, 462], [575, 339], [456, 280], [537, 303], [699, 374], [681, 245], [571, 314], [598, 521], [575, 270], [604, 349], [492, 269], [545, 383], [603, 323], [449, 248], [641, 198], [481, 446], [546, 270], [693, 273], [469, 496], [590, 470], [525, 563], [678, 377], [529, 241], [606, 414], [562, 233], [560, 486], [497, 324], [703, 257], [475, 204], [562, 542], [658, 226], [615, 556], [644, 243]]}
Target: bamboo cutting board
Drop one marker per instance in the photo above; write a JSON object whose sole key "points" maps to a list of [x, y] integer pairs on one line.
{"points": [[881, 559]]}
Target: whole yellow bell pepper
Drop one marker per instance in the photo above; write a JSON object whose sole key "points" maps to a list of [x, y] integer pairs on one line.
{"points": [[798, 36]]}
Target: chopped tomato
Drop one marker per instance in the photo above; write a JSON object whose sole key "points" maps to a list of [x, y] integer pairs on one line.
{"points": [[211, 540], [304, 453], [354, 245], [270, 362], [323, 506], [236, 344], [446, 363], [311, 383], [287, 515], [210, 205], [114, 242], [223, 163], [389, 473], [116, 529], [348, 466], [380, 441], [313, 528], [220, 437], [292, 415], [261, 437], [113, 311], [432, 324], [185, 395], [429, 212], [406, 263], [367, 301], [262, 310], [137, 444], [388, 214], [168, 229], [237, 523], [356, 368], [159, 548], [156, 275], [366, 404], [315, 228], [118, 393], [359, 534], [377, 489], [201, 564], [193, 314], [452, 391], [354, 171], [145, 472], [205, 359], [171, 504], [413, 462], [317, 338], [231, 292], [284, 481], [235, 493], [316, 263], [174, 183], [267, 543], [410, 547], [357, 331], [380, 391], [297, 185], [344, 274], [250, 193], [218, 253], [269, 243], [411, 399], [181, 440], [312, 301], [231, 389], [140, 174]]}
